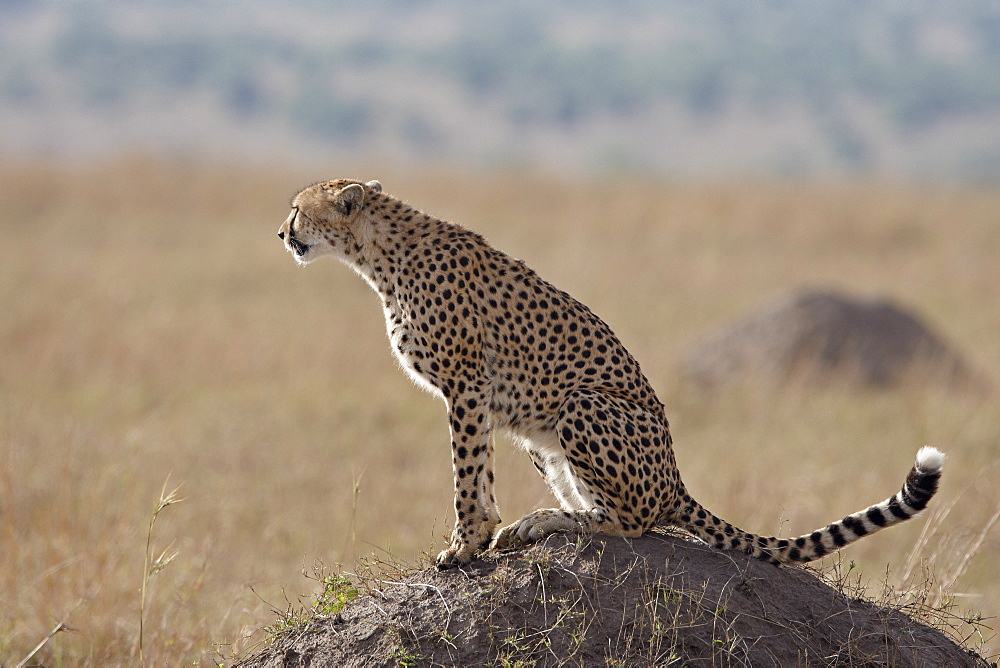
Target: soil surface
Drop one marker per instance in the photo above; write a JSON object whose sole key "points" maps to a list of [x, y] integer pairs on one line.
{"points": [[654, 601]]}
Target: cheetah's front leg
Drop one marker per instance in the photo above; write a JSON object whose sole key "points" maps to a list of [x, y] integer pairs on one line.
{"points": [[472, 462]]}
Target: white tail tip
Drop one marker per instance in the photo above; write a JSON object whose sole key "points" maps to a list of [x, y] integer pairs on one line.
{"points": [[929, 460]]}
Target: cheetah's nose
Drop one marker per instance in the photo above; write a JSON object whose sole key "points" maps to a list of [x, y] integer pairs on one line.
{"points": [[281, 234]]}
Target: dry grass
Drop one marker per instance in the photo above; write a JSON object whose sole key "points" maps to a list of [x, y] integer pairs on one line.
{"points": [[153, 326]]}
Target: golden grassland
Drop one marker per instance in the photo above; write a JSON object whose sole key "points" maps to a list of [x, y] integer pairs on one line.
{"points": [[152, 327]]}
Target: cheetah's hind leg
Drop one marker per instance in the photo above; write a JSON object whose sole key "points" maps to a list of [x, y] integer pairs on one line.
{"points": [[577, 513], [602, 458], [538, 524]]}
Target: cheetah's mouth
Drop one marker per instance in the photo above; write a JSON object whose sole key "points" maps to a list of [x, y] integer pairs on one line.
{"points": [[297, 247]]}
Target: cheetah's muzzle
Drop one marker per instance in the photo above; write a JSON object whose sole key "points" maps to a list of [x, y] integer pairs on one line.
{"points": [[298, 247], [295, 245]]}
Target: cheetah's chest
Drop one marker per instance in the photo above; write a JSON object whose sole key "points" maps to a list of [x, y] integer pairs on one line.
{"points": [[408, 353]]}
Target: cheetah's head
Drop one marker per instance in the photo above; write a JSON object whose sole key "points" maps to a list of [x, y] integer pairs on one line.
{"points": [[322, 218]]}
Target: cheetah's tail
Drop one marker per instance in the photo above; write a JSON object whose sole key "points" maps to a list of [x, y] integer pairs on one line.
{"points": [[920, 486]]}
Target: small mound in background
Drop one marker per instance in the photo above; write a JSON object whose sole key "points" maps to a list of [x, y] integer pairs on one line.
{"points": [[826, 337], [656, 600]]}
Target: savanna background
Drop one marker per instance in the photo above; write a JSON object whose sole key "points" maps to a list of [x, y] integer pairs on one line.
{"points": [[672, 165]]}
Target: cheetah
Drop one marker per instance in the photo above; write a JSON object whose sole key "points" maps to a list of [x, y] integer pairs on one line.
{"points": [[507, 350]]}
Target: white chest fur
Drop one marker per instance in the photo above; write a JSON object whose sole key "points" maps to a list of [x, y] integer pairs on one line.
{"points": [[404, 348]]}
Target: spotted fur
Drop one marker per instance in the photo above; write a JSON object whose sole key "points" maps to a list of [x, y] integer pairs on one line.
{"points": [[507, 350]]}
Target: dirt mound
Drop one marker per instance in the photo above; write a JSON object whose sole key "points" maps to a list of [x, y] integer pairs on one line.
{"points": [[657, 600], [826, 336]]}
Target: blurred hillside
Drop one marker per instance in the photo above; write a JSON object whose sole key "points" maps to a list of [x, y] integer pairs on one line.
{"points": [[679, 88]]}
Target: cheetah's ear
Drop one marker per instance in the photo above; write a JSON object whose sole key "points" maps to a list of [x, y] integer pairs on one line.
{"points": [[349, 198], [374, 186]]}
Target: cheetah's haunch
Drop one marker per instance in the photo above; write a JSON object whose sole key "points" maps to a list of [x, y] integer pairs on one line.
{"points": [[507, 350]]}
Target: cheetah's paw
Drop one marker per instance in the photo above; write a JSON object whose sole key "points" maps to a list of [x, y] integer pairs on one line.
{"points": [[532, 528], [452, 557], [461, 552]]}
